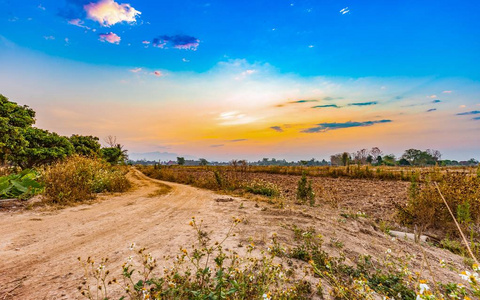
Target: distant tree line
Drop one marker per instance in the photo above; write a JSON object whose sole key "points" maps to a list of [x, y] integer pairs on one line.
{"points": [[374, 157], [26, 146], [411, 157]]}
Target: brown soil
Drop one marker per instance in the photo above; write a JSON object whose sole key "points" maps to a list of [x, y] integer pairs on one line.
{"points": [[39, 249]]}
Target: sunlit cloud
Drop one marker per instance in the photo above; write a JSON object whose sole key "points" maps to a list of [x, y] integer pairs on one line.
{"points": [[447, 92], [109, 12], [323, 127], [135, 70], [235, 118], [432, 96], [157, 73], [110, 37], [178, 41]]}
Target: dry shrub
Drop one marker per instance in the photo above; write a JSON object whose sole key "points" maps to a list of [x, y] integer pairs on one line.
{"points": [[79, 178], [426, 210]]}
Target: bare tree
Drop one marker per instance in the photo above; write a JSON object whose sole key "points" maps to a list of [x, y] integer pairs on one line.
{"points": [[361, 156], [111, 141], [375, 152], [435, 154]]}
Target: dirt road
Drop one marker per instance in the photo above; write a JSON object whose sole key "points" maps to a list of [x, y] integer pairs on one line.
{"points": [[39, 249]]}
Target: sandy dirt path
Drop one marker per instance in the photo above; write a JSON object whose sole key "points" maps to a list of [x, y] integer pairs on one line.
{"points": [[39, 249]]}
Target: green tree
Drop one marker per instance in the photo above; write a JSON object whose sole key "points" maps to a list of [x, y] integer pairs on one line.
{"points": [[14, 120], [43, 147], [389, 160], [114, 155], [86, 145], [305, 191], [345, 158], [181, 161], [203, 162], [412, 156]]}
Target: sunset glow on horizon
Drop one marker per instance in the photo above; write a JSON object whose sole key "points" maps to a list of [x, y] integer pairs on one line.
{"points": [[224, 79]]}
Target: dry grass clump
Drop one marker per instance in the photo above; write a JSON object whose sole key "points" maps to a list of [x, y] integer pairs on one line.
{"points": [[163, 189], [79, 178], [426, 210]]}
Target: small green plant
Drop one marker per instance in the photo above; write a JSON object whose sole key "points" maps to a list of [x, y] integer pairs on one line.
{"points": [[22, 185], [262, 187], [452, 245], [305, 191]]}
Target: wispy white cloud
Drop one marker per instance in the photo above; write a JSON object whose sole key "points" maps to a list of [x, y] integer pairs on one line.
{"points": [[178, 41], [234, 118], [345, 11], [109, 12], [49, 37]]}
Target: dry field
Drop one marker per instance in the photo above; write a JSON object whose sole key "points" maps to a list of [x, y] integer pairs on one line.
{"points": [[39, 247]]}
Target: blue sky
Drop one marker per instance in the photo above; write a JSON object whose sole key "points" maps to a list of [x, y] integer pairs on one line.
{"points": [[380, 63], [375, 38]]}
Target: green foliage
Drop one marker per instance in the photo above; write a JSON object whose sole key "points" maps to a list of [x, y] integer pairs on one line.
{"points": [[22, 186], [14, 120], [43, 147], [305, 191], [181, 161], [86, 145], [420, 158], [345, 158], [203, 162], [114, 155], [452, 245], [365, 280]]}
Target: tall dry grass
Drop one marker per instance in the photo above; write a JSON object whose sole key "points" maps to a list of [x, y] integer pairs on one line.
{"points": [[79, 178]]}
